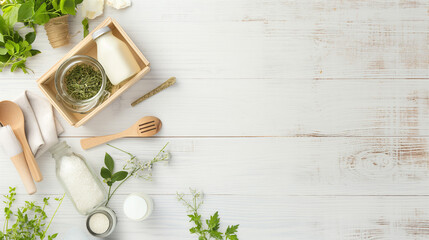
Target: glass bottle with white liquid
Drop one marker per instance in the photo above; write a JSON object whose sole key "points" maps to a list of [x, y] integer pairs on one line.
{"points": [[115, 56], [82, 186]]}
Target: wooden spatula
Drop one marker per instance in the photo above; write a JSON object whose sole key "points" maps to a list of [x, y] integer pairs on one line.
{"points": [[145, 127], [11, 114]]}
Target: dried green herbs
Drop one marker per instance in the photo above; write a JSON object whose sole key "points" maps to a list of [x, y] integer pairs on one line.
{"points": [[84, 82]]}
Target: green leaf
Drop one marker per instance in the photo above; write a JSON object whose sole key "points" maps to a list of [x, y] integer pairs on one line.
{"points": [[105, 173], [10, 48], [15, 45], [10, 14], [4, 28], [16, 37], [68, 7], [119, 176], [23, 68], [216, 235], [30, 37], [232, 237], [41, 16], [56, 5], [108, 161], [196, 218], [3, 51], [26, 11], [231, 229], [213, 223], [16, 65], [85, 27], [25, 47], [34, 52]]}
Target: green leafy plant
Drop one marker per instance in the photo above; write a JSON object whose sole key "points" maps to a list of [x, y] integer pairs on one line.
{"points": [[36, 12], [14, 49], [210, 230], [30, 219], [132, 168]]}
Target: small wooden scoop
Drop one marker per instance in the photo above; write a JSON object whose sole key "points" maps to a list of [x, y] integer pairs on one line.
{"points": [[11, 114], [145, 127]]}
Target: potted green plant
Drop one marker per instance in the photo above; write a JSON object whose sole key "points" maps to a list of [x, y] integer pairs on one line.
{"points": [[53, 14]]}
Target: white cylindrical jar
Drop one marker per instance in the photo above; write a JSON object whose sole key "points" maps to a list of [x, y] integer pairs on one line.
{"points": [[115, 56], [138, 206]]}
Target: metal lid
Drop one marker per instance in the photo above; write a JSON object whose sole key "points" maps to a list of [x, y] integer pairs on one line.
{"points": [[101, 32]]}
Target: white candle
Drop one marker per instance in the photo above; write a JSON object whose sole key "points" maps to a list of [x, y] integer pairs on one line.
{"points": [[138, 206]]}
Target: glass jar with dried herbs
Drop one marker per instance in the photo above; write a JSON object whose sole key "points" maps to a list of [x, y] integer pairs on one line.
{"points": [[81, 84]]}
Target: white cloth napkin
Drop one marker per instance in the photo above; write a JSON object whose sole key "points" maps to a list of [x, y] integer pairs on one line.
{"points": [[41, 126]]}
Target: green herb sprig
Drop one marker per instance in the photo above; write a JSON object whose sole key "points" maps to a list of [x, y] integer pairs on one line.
{"points": [[36, 12], [14, 49], [132, 168], [30, 219], [110, 177], [210, 230]]}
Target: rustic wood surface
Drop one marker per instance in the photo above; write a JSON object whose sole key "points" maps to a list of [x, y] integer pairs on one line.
{"points": [[300, 119]]}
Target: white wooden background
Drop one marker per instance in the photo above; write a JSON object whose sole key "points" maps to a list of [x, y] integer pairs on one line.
{"points": [[300, 119]]}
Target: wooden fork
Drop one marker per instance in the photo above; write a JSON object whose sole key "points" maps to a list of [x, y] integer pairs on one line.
{"points": [[145, 127]]}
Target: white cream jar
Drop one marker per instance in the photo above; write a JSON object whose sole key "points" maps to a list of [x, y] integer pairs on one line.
{"points": [[138, 206]]}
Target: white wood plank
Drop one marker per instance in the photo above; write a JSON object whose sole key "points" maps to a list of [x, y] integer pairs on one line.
{"points": [[266, 107], [268, 217], [270, 38], [264, 166]]}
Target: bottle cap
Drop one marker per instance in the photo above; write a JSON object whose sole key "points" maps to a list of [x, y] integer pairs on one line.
{"points": [[101, 32]]}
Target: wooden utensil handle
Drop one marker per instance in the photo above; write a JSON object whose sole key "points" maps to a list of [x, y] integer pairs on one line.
{"points": [[29, 157], [88, 143], [23, 171]]}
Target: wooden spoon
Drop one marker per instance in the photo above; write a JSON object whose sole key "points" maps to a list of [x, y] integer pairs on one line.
{"points": [[11, 114], [13, 149], [145, 127]]}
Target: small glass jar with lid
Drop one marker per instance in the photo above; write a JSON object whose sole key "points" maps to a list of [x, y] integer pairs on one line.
{"points": [[81, 185], [101, 222], [65, 95]]}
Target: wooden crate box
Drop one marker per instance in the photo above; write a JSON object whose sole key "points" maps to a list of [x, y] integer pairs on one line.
{"points": [[88, 47]]}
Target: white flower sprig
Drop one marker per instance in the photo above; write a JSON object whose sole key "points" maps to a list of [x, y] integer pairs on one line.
{"points": [[133, 168], [143, 169]]}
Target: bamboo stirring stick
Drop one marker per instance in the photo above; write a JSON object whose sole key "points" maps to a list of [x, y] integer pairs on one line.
{"points": [[161, 87]]}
